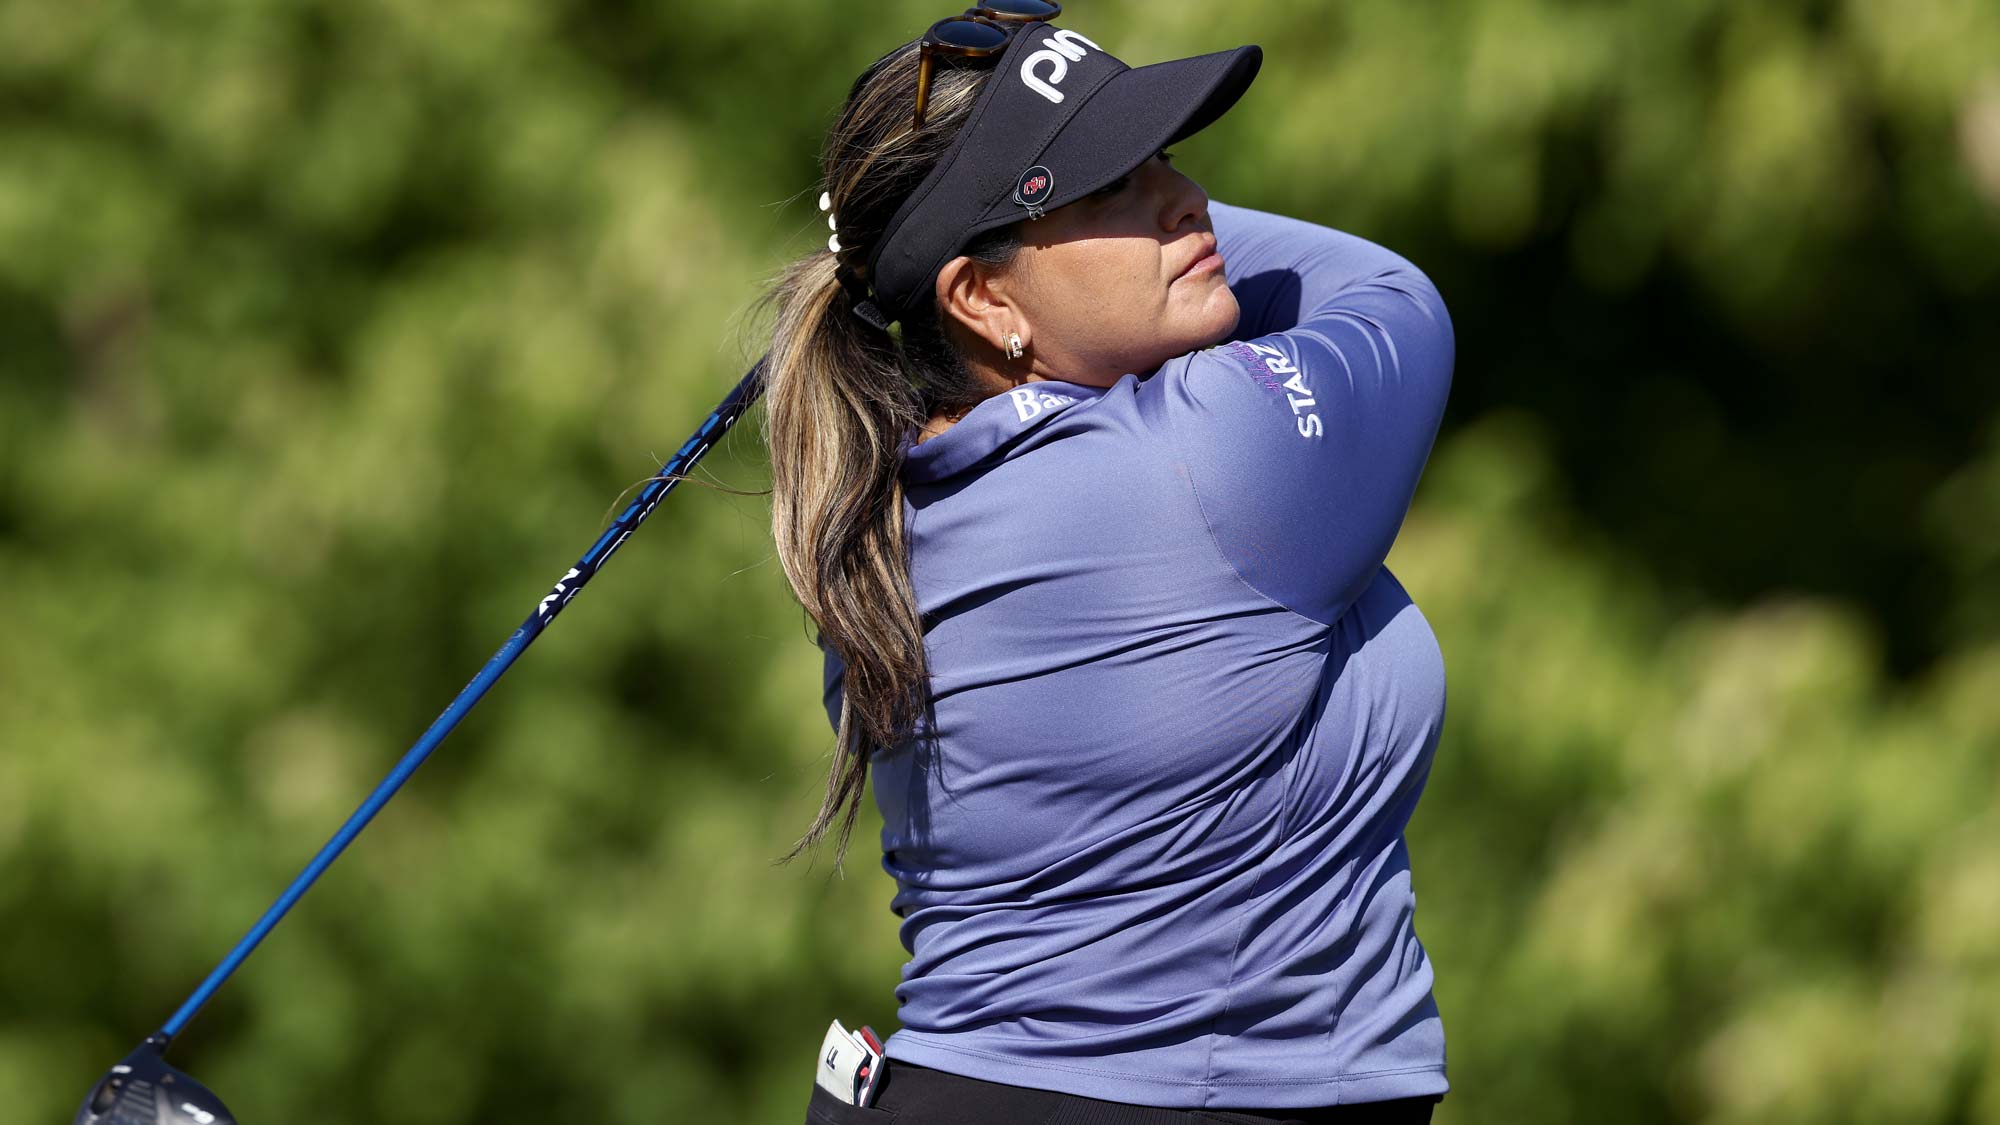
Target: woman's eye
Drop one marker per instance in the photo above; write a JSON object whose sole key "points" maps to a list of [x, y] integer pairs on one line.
{"points": [[1119, 184]]}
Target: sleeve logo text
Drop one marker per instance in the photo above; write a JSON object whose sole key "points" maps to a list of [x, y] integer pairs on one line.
{"points": [[1297, 393]]}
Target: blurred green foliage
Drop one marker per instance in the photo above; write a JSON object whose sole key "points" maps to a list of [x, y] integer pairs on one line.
{"points": [[330, 331]]}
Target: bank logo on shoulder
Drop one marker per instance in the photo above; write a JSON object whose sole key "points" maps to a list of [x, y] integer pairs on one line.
{"points": [[1029, 402]]}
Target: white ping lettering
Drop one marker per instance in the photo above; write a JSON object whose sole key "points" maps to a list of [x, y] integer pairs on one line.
{"points": [[1035, 82], [1071, 44], [1064, 47]]}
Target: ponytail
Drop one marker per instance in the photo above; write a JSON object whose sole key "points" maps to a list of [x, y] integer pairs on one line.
{"points": [[836, 407], [840, 396]]}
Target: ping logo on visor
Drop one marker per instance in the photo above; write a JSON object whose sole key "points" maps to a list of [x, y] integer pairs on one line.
{"points": [[1059, 50], [1059, 103], [1033, 189]]}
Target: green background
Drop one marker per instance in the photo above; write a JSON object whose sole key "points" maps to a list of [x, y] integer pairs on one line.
{"points": [[330, 333]]}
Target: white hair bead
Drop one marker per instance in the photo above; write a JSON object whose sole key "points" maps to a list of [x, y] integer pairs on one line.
{"points": [[832, 222]]}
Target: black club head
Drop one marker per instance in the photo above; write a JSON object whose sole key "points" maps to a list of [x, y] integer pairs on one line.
{"points": [[144, 1090]]}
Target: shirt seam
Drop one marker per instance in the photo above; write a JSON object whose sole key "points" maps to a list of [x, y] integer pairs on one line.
{"points": [[1205, 1082], [1180, 465]]}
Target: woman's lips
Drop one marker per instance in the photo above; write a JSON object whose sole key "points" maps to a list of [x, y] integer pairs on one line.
{"points": [[1206, 264]]}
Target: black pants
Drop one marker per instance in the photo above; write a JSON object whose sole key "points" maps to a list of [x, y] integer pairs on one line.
{"points": [[917, 1095]]}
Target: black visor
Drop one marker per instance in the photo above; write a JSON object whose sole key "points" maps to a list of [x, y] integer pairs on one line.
{"points": [[1058, 119]]}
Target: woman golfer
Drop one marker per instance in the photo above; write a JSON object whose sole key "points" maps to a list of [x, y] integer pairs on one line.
{"points": [[1093, 540]]}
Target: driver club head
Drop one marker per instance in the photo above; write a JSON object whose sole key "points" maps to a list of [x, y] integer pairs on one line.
{"points": [[144, 1090]]}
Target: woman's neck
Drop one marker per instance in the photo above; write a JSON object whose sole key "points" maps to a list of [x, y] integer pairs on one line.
{"points": [[991, 380], [940, 422]]}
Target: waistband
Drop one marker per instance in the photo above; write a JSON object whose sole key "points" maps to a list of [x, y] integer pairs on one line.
{"points": [[911, 1094]]}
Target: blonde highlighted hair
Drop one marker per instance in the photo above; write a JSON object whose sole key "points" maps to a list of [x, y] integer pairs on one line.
{"points": [[839, 396]]}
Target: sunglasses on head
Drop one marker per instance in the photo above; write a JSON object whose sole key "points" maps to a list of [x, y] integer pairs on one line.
{"points": [[980, 32]]}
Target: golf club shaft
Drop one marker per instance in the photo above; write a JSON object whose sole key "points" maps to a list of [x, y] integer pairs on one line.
{"points": [[725, 415]]}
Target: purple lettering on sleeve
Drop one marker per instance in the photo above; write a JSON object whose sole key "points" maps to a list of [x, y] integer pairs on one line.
{"points": [[1254, 364]]}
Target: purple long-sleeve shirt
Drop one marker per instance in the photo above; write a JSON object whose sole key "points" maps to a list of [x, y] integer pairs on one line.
{"points": [[1184, 712]]}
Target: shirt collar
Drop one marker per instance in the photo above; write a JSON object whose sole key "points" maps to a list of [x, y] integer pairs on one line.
{"points": [[992, 427]]}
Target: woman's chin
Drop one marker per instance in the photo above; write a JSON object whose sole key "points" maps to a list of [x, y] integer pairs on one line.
{"points": [[1217, 317]]}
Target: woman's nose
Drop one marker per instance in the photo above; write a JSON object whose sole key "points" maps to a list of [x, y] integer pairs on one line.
{"points": [[1184, 199]]}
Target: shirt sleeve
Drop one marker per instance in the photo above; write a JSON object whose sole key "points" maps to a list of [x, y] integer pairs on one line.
{"points": [[1304, 434], [833, 679]]}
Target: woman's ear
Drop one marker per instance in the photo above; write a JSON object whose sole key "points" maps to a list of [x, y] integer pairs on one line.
{"points": [[969, 293]]}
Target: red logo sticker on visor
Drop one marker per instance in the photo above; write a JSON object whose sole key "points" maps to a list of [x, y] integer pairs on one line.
{"points": [[1034, 187]]}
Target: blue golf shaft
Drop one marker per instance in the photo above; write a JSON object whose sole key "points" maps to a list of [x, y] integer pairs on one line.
{"points": [[718, 423]]}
